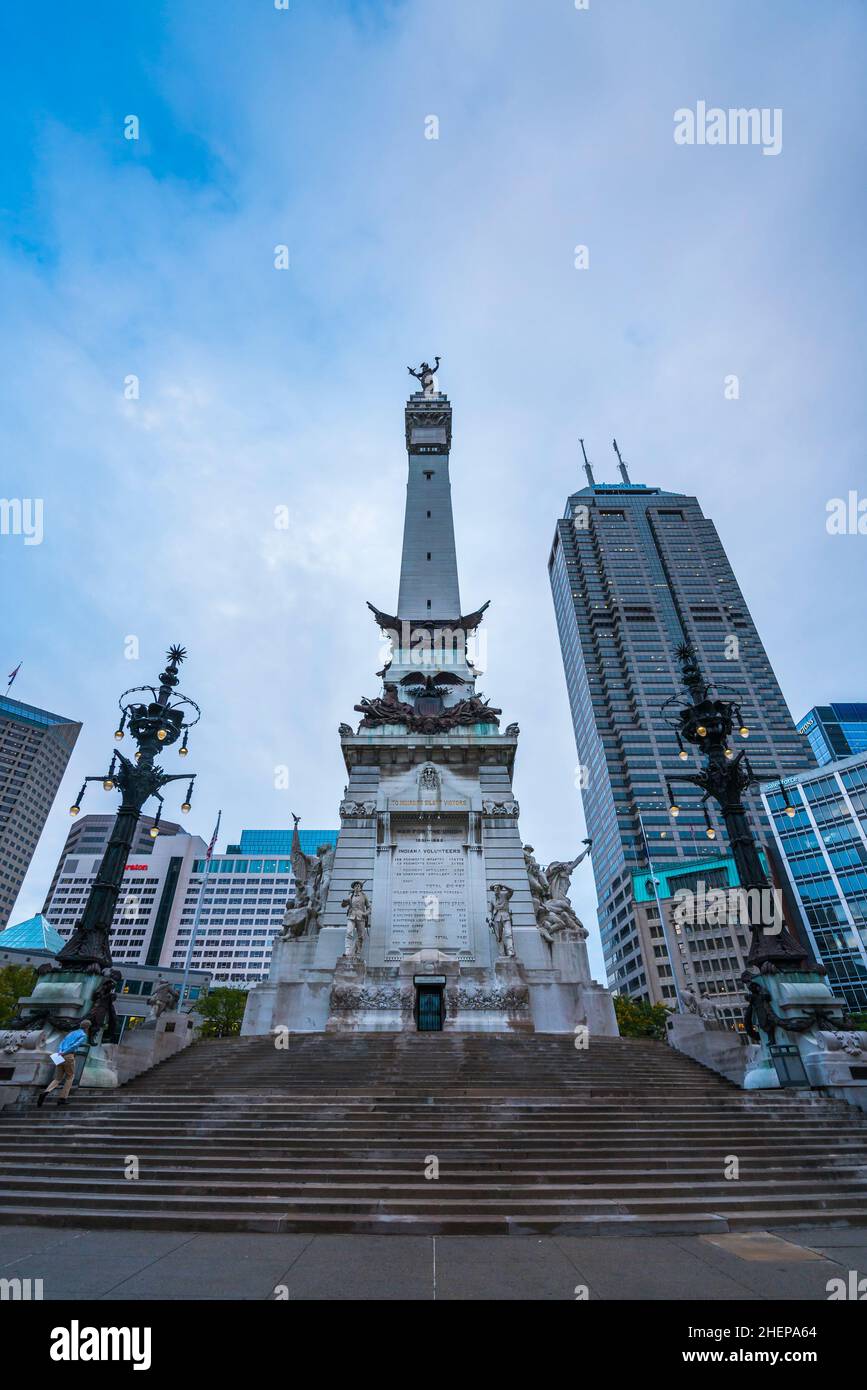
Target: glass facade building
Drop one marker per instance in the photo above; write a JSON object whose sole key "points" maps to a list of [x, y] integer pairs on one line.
{"points": [[634, 572], [246, 890], [820, 826], [835, 731], [35, 747], [242, 909]]}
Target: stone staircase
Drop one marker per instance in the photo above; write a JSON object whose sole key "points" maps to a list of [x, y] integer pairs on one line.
{"points": [[336, 1133]]}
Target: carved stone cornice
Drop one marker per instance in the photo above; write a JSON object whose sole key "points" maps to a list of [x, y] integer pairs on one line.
{"points": [[429, 412], [494, 809]]}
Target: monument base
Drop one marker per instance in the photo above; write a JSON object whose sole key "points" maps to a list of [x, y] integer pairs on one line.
{"points": [[311, 989]]}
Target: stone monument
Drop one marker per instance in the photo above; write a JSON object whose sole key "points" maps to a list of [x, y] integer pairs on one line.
{"points": [[429, 912]]}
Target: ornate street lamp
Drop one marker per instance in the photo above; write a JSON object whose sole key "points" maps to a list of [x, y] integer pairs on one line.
{"points": [[154, 725], [706, 722]]}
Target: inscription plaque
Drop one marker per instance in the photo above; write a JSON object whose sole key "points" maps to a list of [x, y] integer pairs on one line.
{"points": [[429, 889]]}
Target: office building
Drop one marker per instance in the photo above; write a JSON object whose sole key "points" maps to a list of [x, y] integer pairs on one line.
{"points": [[635, 571], [35, 747], [835, 731], [819, 820], [242, 909]]}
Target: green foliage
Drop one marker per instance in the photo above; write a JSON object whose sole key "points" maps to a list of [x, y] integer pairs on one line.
{"points": [[222, 1012], [859, 1020], [638, 1019], [15, 982]]}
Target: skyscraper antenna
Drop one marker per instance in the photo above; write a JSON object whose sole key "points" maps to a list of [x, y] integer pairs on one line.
{"points": [[621, 465], [587, 468]]}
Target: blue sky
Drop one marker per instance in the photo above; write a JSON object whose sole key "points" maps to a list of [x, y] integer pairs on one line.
{"points": [[261, 388]]}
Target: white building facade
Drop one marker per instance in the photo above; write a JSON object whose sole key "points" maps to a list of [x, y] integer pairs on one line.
{"points": [[245, 894]]}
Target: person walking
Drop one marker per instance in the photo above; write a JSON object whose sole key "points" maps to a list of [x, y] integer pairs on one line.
{"points": [[64, 1060]]}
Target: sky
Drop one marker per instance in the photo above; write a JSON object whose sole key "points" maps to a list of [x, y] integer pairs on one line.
{"points": [[262, 388]]}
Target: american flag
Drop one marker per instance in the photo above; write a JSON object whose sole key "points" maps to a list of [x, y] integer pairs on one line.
{"points": [[214, 836], [12, 674]]}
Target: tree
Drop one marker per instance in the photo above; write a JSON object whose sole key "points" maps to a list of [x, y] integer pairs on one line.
{"points": [[638, 1019], [222, 1012], [15, 982]]}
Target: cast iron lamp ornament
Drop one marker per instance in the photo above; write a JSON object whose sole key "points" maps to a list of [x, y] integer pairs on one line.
{"points": [[707, 722], [154, 725]]}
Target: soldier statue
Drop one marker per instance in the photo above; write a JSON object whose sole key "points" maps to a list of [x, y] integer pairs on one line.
{"points": [[500, 919], [357, 920]]}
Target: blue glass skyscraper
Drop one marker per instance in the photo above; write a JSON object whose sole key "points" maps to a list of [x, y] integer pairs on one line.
{"points": [[635, 571], [835, 731]]}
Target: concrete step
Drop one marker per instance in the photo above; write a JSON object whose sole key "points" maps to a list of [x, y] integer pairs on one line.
{"points": [[382, 1188], [332, 1134]]}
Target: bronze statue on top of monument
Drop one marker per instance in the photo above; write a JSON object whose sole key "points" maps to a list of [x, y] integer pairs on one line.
{"points": [[426, 375]]}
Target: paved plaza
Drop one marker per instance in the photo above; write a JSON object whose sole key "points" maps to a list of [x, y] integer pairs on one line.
{"points": [[140, 1265]]}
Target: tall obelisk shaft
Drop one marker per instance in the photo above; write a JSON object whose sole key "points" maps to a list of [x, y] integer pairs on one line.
{"points": [[428, 567]]}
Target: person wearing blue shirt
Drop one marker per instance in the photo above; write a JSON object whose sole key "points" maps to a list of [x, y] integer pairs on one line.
{"points": [[64, 1071]]}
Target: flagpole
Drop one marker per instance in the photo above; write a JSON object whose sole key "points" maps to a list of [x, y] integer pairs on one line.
{"points": [[12, 676], [662, 922], [199, 901]]}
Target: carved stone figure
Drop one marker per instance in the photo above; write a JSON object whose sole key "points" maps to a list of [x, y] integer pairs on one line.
{"points": [[325, 855], [345, 730], [384, 709], [428, 779], [352, 999], [11, 1039], [425, 375], [559, 874], [102, 1013], [312, 878], [163, 999], [513, 999], [306, 869], [390, 709], [500, 919], [696, 1004], [357, 920], [295, 920], [357, 808], [511, 731], [550, 892], [538, 882]]}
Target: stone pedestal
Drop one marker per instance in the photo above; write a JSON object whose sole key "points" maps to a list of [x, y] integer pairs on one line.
{"points": [[832, 1056], [563, 996], [25, 1054], [714, 1045], [490, 1001], [296, 995], [148, 1045], [834, 1060], [366, 999]]}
